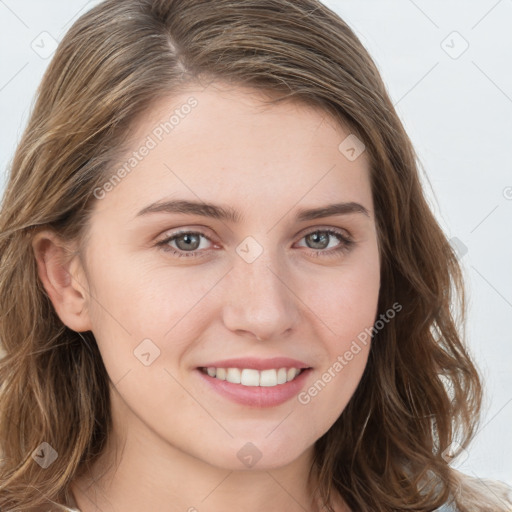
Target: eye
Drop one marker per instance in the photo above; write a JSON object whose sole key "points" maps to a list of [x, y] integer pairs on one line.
{"points": [[185, 240], [319, 239], [188, 243]]}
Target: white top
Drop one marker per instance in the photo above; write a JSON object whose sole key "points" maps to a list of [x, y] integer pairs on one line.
{"points": [[72, 503]]}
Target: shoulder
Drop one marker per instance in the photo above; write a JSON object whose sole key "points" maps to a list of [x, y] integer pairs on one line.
{"points": [[481, 494], [447, 508]]}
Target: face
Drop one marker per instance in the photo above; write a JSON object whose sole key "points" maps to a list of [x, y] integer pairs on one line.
{"points": [[176, 288]]}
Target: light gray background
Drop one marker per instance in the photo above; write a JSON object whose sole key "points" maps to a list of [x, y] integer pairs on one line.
{"points": [[455, 103]]}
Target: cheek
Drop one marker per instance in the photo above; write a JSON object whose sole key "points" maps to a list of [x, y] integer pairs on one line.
{"points": [[136, 302], [348, 307], [346, 299], [145, 296]]}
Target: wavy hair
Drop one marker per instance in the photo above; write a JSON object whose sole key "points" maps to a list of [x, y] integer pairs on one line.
{"points": [[420, 392]]}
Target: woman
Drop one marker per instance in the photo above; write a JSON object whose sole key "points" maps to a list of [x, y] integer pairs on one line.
{"points": [[221, 283]]}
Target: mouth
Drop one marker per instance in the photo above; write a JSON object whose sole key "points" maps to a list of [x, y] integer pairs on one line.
{"points": [[254, 382], [250, 377]]}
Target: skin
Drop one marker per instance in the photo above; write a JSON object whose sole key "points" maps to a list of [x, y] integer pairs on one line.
{"points": [[178, 442]]}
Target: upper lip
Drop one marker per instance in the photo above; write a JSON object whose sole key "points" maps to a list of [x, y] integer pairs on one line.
{"points": [[257, 364]]}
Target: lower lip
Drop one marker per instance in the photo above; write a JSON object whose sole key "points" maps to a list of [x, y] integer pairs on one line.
{"points": [[257, 396]]}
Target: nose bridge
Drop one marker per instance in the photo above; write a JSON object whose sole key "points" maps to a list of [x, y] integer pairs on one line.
{"points": [[261, 275], [260, 300]]}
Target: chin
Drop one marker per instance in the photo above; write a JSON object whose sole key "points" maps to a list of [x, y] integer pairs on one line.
{"points": [[257, 455]]}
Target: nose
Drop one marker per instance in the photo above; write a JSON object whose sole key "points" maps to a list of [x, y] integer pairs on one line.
{"points": [[259, 300]]}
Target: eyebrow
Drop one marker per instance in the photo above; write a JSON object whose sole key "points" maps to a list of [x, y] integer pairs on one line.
{"points": [[229, 214]]}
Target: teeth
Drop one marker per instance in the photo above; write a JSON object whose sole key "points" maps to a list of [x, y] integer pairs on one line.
{"points": [[281, 375], [233, 375], [248, 377], [251, 377], [290, 375], [268, 378]]}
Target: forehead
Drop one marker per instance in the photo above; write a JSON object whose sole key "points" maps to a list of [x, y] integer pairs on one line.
{"points": [[226, 142]]}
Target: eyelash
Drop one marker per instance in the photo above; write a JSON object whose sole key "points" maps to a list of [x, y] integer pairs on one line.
{"points": [[345, 245]]}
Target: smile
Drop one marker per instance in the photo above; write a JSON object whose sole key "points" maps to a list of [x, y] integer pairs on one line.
{"points": [[251, 377]]}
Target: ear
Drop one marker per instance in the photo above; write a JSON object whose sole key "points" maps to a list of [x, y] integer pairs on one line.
{"points": [[64, 280]]}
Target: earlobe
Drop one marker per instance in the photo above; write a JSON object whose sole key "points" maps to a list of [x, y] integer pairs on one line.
{"points": [[63, 279]]}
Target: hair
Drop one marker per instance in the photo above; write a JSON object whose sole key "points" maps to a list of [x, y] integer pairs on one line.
{"points": [[420, 394]]}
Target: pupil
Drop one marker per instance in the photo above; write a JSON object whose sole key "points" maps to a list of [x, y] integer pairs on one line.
{"points": [[316, 237], [189, 239]]}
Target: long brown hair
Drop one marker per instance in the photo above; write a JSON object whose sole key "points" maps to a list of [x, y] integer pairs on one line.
{"points": [[420, 391]]}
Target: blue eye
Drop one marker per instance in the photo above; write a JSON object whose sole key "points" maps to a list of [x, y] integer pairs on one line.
{"points": [[320, 236], [192, 240]]}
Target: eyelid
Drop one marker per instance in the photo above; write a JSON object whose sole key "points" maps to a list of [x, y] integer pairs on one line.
{"points": [[203, 230], [311, 229], [346, 242]]}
